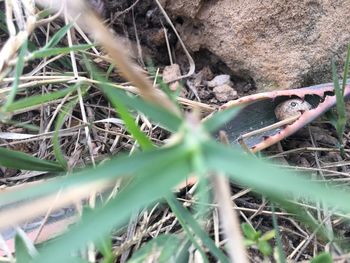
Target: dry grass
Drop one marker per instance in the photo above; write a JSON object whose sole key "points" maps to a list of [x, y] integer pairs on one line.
{"points": [[93, 132]]}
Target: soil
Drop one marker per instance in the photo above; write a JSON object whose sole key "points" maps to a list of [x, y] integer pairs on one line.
{"points": [[297, 151]]}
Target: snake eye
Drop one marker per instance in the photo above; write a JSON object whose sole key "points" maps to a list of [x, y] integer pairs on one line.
{"points": [[293, 104]]}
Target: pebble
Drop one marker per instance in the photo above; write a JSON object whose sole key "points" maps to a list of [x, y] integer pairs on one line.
{"points": [[219, 80], [225, 93]]}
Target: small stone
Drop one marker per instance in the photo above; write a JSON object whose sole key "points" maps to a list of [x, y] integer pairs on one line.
{"points": [[225, 93], [219, 81], [170, 73]]}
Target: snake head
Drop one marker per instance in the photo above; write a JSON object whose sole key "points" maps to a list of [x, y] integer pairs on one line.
{"points": [[290, 108]]}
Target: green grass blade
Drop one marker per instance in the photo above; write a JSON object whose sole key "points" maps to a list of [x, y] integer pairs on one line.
{"points": [[58, 36], [46, 52], [144, 142], [149, 186], [302, 215], [269, 180], [346, 70], [160, 249], [324, 257], [186, 218], [105, 247], [113, 169], [44, 13], [23, 254], [341, 111], [281, 254], [249, 232], [18, 73], [129, 121], [187, 230], [131, 126], [18, 160], [220, 118], [109, 71], [29, 127], [55, 140], [165, 118], [39, 99]]}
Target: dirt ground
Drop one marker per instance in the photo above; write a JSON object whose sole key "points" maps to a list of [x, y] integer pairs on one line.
{"points": [[149, 38]]}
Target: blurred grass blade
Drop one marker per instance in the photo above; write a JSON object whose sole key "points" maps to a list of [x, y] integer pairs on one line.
{"points": [[270, 181], [18, 160], [281, 254], [18, 73], [302, 215], [346, 70], [159, 249], [29, 127], [324, 257], [144, 142], [341, 111], [186, 218], [166, 119], [44, 13], [249, 232], [105, 247], [219, 118], [156, 182], [46, 52], [55, 140], [188, 231], [56, 38], [39, 99], [24, 248], [113, 169]]}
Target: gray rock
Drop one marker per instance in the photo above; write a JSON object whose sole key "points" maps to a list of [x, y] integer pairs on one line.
{"points": [[219, 80], [224, 93]]}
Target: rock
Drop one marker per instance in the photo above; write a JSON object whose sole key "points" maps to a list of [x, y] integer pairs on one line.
{"points": [[279, 44], [170, 73], [224, 93], [183, 8], [219, 81]]}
